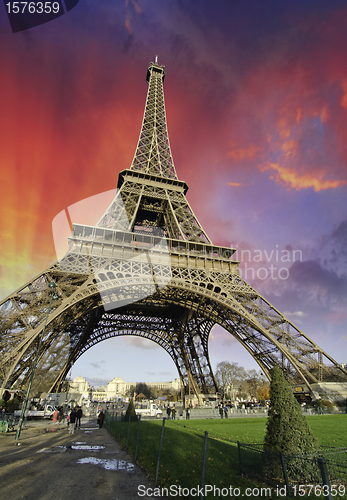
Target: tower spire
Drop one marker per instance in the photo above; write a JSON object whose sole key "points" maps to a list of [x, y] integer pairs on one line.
{"points": [[153, 153]]}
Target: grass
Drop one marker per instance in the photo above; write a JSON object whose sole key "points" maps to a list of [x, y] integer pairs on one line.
{"points": [[181, 454]]}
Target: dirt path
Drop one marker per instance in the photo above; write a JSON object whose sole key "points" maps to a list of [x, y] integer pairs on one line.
{"points": [[51, 464]]}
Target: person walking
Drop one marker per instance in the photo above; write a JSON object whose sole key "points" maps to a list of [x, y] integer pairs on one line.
{"points": [[173, 412], [61, 414], [55, 416], [221, 411], [168, 411], [101, 419], [78, 417], [225, 411], [72, 425]]}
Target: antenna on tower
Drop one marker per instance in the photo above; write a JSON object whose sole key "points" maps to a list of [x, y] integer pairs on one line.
{"points": [[156, 59]]}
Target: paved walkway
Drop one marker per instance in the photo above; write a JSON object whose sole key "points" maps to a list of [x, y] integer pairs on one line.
{"points": [[48, 463]]}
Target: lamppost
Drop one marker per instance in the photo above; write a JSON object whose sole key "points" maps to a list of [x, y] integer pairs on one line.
{"points": [[53, 297]]}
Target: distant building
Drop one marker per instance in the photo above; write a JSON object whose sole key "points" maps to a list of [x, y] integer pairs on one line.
{"points": [[79, 384], [117, 388]]}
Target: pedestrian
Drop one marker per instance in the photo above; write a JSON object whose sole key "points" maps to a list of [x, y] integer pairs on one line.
{"points": [[187, 413], [225, 411], [55, 416], [168, 410], [72, 421], [173, 412], [101, 419], [78, 417], [61, 414], [221, 411]]}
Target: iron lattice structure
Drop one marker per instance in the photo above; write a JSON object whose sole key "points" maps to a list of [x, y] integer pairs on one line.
{"points": [[149, 269]]}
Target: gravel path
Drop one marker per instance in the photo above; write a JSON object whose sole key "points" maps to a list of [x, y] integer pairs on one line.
{"points": [[49, 463]]}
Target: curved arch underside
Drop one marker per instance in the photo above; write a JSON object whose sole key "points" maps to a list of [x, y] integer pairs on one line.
{"points": [[178, 317]]}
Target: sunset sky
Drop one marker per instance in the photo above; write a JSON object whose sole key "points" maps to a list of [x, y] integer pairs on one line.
{"points": [[256, 100]]}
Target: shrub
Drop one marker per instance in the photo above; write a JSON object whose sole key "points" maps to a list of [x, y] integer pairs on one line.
{"points": [[287, 429], [130, 411]]}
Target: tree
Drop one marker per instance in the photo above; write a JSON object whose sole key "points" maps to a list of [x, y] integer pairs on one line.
{"points": [[10, 405], [130, 412], [229, 377], [143, 388], [287, 430], [263, 393]]}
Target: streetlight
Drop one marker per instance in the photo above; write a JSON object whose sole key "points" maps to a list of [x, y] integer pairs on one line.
{"points": [[54, 296]]}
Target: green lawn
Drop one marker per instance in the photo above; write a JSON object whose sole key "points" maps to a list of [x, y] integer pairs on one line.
{"points": [[183, 440]]}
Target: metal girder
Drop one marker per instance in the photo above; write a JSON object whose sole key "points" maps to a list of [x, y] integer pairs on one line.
{"points": [[148, 269]]}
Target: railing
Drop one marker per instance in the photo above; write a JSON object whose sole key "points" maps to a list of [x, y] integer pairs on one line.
{"points": [[155, 243], [324, 469]]}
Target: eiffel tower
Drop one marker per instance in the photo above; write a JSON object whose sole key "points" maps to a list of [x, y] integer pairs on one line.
{"points": [[149, 269]]}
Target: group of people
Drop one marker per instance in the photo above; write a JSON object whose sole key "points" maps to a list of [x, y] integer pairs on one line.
{"points": [[171, 412], [223, 410], [74, 416], [74, 419]]}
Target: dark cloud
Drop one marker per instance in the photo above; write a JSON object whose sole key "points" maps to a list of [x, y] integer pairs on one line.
{"points": [[97, 382], [311, 274], [340, 233], [97, 366], [141, 343]]}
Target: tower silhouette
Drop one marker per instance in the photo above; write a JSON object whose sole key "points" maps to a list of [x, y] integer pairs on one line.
{"points": [[148, 268]]}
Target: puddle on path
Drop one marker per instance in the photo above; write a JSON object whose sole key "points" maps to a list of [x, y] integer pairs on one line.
{"points": [[75, 446], [55, 449], [87, 447], [108, 464]]}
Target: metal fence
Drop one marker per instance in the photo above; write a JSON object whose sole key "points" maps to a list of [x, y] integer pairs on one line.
{"points": [[327, 466], [7, 422]]}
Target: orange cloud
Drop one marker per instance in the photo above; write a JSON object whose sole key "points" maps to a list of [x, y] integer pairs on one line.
{"points": [[289, 148], [128, 27], [344, 98], [235, 184], [241, 154], [136, 4], [290, 178], [299, 115]]}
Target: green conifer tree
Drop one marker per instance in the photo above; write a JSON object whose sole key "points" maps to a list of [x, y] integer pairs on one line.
{"points": [[287, 429], [130, 411]]}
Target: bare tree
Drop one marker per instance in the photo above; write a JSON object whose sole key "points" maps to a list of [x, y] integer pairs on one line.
{"points": [[229, 377], [253, 382]]}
